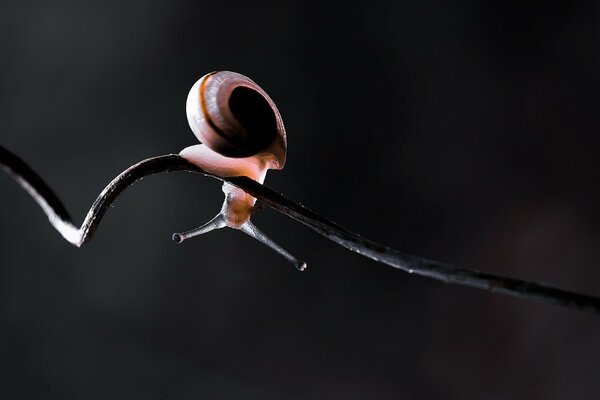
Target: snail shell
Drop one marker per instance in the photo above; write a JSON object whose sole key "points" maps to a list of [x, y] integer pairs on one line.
{"points": [[239, 125]]}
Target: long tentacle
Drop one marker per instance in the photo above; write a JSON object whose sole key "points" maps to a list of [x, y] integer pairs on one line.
{"points": [[448, 273], [251, 230], [217, 222]]}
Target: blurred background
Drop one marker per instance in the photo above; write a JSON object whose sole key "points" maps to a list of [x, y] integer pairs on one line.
{"points": [[463, 132]]}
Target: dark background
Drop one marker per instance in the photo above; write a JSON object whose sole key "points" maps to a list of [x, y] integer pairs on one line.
{"points": [[458, 131]]}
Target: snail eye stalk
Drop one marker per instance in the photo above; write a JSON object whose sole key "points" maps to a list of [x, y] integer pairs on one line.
{"points": [[251, 230], [217, 222]]}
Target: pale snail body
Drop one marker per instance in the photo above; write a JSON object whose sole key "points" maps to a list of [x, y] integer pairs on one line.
{"points": [[242, 134]]}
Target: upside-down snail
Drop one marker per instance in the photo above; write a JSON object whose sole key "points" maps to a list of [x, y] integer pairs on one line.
{"points": [[242, 134]]}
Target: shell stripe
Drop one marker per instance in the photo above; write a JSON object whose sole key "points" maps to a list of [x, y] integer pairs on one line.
{"points": [[207, 117]]}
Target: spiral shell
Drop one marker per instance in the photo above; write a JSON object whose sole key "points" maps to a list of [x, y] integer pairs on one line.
{"points": [[233, 116]]}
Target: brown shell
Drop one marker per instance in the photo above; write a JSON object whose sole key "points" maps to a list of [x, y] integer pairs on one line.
{"points": [[235, 117]]}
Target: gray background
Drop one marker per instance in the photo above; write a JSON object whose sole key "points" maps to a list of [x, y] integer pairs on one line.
{"points": [[458, 131]]}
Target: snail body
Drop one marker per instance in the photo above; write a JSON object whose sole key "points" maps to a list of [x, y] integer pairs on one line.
{"points": [[242, 134]]}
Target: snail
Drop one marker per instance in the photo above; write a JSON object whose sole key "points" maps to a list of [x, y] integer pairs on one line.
{"points": [[241, 134]]}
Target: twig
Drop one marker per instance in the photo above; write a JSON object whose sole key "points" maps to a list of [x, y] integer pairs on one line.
{"points": [[448, 273]]}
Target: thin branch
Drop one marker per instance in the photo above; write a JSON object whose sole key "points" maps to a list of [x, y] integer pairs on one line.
{"points": [[448, 273], [56, 211]]}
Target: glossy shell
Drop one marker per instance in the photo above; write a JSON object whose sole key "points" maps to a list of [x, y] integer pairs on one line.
{"points": [[235, 117]]}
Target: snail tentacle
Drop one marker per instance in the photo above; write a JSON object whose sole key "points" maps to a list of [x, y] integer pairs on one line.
{"points": [[217, 222], [251, 230]]}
